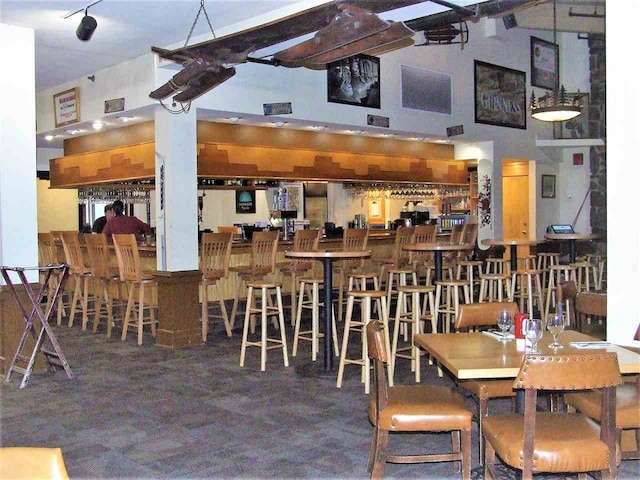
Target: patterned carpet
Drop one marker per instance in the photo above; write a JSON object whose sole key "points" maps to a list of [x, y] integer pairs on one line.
{"points": [[147, 412]]}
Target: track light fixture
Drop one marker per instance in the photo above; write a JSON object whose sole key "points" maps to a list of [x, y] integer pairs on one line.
{"points": [[86, 28]]}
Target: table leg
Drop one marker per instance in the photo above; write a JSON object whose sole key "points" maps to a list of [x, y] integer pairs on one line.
{"points": [[328, 309], [438, 278], [572, 251], [514, 258]]}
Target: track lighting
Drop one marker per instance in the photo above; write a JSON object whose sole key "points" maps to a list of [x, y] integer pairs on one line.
{"points": [[86, 28]]}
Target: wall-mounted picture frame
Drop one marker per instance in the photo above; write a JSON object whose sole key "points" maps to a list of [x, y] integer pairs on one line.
{"points": [[354, 81], [66, 107], [500, 95], [376, 211], [544, 64], [426, 90], [577, 127], [245, 201], [548, 186]]}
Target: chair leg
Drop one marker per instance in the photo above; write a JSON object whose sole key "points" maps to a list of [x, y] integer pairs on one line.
{"points": [[489, 459], [125, 325], [245, 328], [236, 299], [380, 455], [76, 298], [466, 454], [85, 301], [296, 332], [98, 305], [345, 341], [223, 309], [140, 313], [483, 411], [372, 450], [294, 309], [283, 337], [205, 312], [455, 448], [109, 298]]}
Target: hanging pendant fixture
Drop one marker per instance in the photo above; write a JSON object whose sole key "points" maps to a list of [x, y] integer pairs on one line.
{"points": [[559, 105]]}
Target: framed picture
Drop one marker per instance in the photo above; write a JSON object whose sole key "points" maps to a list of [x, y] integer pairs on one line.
{"points": [[548, 186], [426, 90], [376, 211], [577, 127], [354, 81], [245, 201], [66, 107], [544, 64], [500, 95]]}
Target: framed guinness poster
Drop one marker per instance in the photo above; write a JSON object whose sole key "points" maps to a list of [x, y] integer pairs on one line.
{"points": [[500, 95]]}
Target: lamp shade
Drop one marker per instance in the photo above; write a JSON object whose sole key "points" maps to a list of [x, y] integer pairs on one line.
{"points": [[86, 28], [556, 113]]}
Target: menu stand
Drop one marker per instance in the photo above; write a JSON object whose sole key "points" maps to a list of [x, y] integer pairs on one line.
{"points": [[56, 357]]}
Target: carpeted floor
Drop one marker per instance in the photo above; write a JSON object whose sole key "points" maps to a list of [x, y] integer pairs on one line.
{"points": [[147, 412]]}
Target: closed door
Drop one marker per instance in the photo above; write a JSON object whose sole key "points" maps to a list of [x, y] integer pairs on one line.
{"points": [[515, 207]]}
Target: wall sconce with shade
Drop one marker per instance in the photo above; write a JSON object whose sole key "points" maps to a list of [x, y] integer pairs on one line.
{"points": [[559, 105]]}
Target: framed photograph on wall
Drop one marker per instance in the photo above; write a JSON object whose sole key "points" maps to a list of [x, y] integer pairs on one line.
{"points": [[66, 107], [245, 201], [544, 64], [500, 95], [354, 81], [548, 186]]}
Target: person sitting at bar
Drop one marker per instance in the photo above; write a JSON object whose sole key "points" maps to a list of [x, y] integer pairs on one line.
{"points": [[122, 223], [99, 224]]}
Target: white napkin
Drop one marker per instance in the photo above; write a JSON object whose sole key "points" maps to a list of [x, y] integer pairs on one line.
{"points": [[596, 344], [499, 335]]}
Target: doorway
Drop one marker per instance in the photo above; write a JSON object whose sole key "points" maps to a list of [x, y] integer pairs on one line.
{"points": [[517, 222]]}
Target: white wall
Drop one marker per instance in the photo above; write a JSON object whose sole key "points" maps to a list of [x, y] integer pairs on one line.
{"points": [[572, 187], [43, 155], [220, 209]]}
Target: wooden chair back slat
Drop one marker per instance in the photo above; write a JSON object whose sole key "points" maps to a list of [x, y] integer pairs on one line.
{"points": [[73, 252], [47, 249], [99, 255], [423, 234], [264, 246], [353, 240], [305, 241], [404, 235], [456, 233], [215, 252], [128, 257], [470, 233]]}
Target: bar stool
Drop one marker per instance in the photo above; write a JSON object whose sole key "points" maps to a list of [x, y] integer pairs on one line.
{"points": [[526, 285], [215, 252], [353, 239], [100, 264], [265, 311], [470, 270], [264, 246], [586, 275], [47, 255], [361, 280], [600, 262], [360, 326], [303, 241], [447, 300], [314, 305], [422, 262], [399, 257], [80, 274], [544, 261], [495, 287], [556, 272], [131, 272], [415, 317]]}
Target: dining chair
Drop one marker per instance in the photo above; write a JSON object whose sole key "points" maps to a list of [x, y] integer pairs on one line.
{"points": [[566, 293], [558, 442], [80, 274], [27, 463], [474, 316], [591, 308], [215, 252], [413, 409], [130, 270]]}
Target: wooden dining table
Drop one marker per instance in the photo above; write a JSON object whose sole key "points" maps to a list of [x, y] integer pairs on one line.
{"points": [[572, 238], [476, 356]]}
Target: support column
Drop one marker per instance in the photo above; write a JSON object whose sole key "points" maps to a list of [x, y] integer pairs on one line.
{"points": [[177, 227]]}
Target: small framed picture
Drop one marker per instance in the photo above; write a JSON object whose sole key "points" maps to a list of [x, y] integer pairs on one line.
{"points": [[548, 186], [245, 201], [354, 81], [544, 64], [66, 107]]}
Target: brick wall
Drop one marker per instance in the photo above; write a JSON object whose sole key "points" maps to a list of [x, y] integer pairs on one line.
{"points": [[598, 129]]}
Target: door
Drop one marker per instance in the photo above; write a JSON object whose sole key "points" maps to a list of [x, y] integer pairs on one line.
{"points": [[515, 203]]}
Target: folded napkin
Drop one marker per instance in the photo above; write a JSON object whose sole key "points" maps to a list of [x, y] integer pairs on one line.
{"points": [[499, 335], [595, 344]]}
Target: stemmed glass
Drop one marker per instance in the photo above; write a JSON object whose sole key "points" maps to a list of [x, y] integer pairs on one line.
{"points": [[555, 325], [504, 320], [533, 331]]}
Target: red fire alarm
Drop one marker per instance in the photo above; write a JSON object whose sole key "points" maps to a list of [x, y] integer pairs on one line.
{"points": [[578, 159]]}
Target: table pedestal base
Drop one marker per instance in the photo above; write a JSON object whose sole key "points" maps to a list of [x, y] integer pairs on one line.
{"points": [[314, 370]]}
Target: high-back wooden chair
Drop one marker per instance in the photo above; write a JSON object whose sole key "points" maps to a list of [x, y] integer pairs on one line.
{"points": [[130, 270], [456, 233], [591, 307], [47, 254], [303, 241], [399, 257], [80, 274], [423, 261], [473, 316], [264, 247], [353, 239], [100, 262], [215, 252], [235, 231], [558, 442], [413, 408]]}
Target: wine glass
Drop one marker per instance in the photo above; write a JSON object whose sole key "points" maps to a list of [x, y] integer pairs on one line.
{"points": [[533, 331], [555, 325], [504, 320]]}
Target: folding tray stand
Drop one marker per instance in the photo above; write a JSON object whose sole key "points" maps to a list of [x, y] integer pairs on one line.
{"points": [[56, 357]]}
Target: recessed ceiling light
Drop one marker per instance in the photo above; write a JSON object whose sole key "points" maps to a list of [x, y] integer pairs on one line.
{"points": [[281, 124], [234, 119], [319, 127], [125, 119], [98, 125], [73, 131], [48, 138], [354, 132]]}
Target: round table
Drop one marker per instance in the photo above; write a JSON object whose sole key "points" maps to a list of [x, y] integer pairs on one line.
{"points": [[327, 258], [571, 238], [437, 248], [513, 243]]}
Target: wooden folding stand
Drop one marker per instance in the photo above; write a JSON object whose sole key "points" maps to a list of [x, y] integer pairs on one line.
{"points": [[56, 357]]}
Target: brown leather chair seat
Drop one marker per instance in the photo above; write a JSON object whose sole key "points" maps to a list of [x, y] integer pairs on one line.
{"points": [[487, 389], [627, 405], [563, 443], [421, 408]]}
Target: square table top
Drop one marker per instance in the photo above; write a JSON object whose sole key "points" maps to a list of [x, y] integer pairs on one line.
{"points": [[476, 356]]}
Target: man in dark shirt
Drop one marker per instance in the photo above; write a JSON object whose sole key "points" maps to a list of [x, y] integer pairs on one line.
{"points": [[99, 224], [124, 224]]}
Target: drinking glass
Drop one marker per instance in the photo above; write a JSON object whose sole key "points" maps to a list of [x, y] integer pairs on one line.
{"points": [[555, 325], [533, 331], [504, 320]]}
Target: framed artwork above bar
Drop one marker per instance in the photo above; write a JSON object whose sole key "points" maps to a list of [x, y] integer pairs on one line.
{"points": [[66, 107]]}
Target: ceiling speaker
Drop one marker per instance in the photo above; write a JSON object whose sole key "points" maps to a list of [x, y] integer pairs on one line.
{"points": [[86, 28]]}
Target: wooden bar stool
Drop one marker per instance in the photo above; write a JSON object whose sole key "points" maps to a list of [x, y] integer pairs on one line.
{"points": [[399, 257], [314, 304], [470, 270], [362, 280], [556, 274], [414, 317], [131, 272], [80, 274], [303, 241], [100, 263], [586, 275], [447, 300], [422, 262], [544, 261], [526, 284], [353, 239], [265, 311], [365, 318], [215, 252]]}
